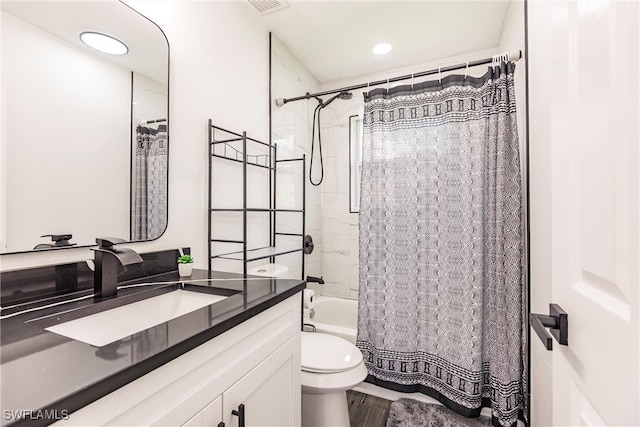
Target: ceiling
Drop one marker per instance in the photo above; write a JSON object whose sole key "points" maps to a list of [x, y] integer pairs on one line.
{"points": [[148, 48], [333, 39]]}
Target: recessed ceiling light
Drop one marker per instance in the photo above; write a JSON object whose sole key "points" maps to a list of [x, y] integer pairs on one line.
{"points": [[382, 48], [104, 43]]}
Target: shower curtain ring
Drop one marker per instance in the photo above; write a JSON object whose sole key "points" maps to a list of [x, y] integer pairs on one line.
{"points": [[412, 75], [466, 71], [440, 74]]}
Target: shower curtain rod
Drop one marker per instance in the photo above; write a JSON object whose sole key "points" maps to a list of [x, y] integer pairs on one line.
{"points": [[156, 121], [512, 56]]}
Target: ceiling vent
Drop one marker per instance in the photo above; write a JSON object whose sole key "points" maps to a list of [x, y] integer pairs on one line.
{"points": [[268, 6]]}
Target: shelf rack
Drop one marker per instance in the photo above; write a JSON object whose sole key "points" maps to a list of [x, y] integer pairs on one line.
{"points": [[267, 161]]}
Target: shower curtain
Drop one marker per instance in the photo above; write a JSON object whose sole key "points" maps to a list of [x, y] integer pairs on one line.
{"points": [[149, 211], [441, 302]]}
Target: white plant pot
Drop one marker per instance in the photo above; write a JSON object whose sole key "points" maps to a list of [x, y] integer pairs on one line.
{"points": [[185, 269]]}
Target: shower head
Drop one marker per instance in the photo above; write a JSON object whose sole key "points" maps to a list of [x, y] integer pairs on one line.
{"points": [[342, 95]]}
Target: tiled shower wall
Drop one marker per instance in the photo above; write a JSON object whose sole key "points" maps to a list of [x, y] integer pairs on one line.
{"points": [[339, 226], [291, 131]]}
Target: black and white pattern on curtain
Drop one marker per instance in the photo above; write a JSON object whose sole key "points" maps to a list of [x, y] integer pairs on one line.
{"points": [[441, 301], [150, 190]]}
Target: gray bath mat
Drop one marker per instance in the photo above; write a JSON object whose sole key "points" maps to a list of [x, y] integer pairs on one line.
{"points": [[412, 413]]}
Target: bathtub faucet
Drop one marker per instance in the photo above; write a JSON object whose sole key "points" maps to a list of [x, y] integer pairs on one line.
{"points": [[319, 280]]}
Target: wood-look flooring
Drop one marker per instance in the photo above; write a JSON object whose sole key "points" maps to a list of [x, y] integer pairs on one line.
{"points": [[366, 410]]}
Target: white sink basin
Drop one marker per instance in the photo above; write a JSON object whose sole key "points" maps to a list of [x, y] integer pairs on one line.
{"points": [[108, 326]]}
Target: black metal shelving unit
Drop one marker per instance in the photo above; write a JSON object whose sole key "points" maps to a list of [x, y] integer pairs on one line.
{"points": [[222, 149]]}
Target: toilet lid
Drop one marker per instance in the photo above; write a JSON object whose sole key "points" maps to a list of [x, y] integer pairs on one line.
{"points": [[325, 353]]}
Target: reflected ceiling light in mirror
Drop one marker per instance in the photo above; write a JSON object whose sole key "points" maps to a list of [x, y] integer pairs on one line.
{"points": [[104, 43], [382, 48]]}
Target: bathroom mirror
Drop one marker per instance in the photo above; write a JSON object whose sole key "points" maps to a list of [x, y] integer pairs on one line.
{"points": [[84, 141]]}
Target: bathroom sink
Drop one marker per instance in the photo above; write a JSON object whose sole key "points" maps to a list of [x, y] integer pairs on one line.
{"points": [[117, 323]]}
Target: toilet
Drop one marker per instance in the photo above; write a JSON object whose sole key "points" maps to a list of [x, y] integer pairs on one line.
{"points": [[330, 366]]}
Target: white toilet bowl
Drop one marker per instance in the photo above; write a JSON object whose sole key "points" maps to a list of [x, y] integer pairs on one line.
{"points": [[330, 367]]}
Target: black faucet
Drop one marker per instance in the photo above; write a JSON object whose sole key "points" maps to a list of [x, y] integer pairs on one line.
{"points": [[108, 263], [59, 240], [319, 280]]}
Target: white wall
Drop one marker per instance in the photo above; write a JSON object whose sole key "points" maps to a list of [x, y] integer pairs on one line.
{"points": [[218, 70], [291, 129], [51, 167]]}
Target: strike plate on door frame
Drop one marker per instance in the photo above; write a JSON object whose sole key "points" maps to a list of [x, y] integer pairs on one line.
{"points": [[557, 321]]}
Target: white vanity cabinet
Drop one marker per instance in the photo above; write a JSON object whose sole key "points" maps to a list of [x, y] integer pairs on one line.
{"points": [[266, 393], [209, 416], [255, 364]]}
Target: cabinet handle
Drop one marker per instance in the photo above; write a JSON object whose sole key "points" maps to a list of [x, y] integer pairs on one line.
{"points": [[240, 414]]}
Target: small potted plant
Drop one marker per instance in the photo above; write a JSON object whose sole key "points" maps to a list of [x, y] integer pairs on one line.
{"points": [[185, 265]]}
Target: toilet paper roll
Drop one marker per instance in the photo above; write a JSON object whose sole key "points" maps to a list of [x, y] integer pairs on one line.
{"points": [[308, 297]]}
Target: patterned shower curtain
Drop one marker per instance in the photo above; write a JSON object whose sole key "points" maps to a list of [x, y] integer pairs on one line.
{"points": [[149, 211], [442, 295]]}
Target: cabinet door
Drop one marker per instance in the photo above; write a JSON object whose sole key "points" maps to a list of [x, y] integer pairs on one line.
{"points": [[211, 415], [270, 392]]}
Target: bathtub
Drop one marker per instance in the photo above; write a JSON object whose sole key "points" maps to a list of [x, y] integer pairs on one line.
{"points": [[339, 316], [335, 316]]}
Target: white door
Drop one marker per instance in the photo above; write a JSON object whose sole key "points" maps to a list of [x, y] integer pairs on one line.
{"points": [[584, 160]]}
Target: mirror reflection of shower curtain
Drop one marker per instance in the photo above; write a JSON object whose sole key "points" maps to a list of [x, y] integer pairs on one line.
{"points": [[442, 293], [149, 211]]}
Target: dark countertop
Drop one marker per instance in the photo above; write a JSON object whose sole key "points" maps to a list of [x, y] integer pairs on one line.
{"points": [[41, 370]]}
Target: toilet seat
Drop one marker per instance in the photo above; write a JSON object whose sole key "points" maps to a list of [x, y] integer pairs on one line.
{"points": [[328, 354], [314, 383], [329, 367]]}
